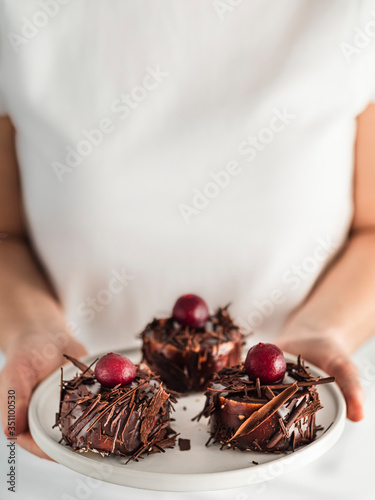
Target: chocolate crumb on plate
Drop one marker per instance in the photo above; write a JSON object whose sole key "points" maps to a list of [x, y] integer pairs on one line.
{"points": [[184, 444]]}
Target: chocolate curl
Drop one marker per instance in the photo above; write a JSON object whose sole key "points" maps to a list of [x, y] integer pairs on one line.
{"points": [[293, 417], [273, 387], [80, 365], [183, 337], [117, 401], [307, 383], [266, 411], [257, 385], [151, 412]]}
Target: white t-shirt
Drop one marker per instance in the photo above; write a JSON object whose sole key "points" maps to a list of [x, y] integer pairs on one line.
{"points": [[175, 146], [169, 147]]}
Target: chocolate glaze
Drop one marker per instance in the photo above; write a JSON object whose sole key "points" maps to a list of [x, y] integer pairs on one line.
{"points": [[185, 357], [127, 421], [275, 418]]}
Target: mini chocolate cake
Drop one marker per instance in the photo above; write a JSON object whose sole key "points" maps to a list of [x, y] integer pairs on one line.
{"points": [[269, 418], [186, 357], [127, 421]]}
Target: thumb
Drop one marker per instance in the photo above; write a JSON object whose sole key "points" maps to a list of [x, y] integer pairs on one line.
{"points": [[347, 377], [17, 381], [333, 359]]}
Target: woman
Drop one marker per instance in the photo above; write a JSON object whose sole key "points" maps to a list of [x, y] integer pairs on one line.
{"points": [[150, 149]]}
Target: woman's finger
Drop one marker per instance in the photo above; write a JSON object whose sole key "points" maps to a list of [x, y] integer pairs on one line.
{"points": [[347, 377], [16, 380], [27, 443]]}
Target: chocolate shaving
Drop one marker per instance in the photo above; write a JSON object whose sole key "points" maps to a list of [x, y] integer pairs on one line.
{"points": [[293, 441], [152, 410], [117, 401], [294, 415], [115, 436], [269, 393], [86, 416], [84, 368], [283, 428], [265, 412], [330, 425], [86, 373], [307, 383], [257, 386], [311, 409], [256, 444], [220, 326]]}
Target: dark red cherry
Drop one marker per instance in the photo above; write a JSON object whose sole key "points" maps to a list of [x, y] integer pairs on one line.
{"points": [[114, 369], [191, 310], [266, 362]]}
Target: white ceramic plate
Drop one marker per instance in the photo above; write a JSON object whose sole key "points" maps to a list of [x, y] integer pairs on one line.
{"points": [[199, 469]]}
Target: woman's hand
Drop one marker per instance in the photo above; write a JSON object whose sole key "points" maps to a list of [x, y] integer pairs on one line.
{"points": [[30, 358], [327, 351]]}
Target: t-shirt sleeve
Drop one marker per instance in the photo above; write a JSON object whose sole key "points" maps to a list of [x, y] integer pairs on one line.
{"points": [[2, 98], [364, 45]]}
